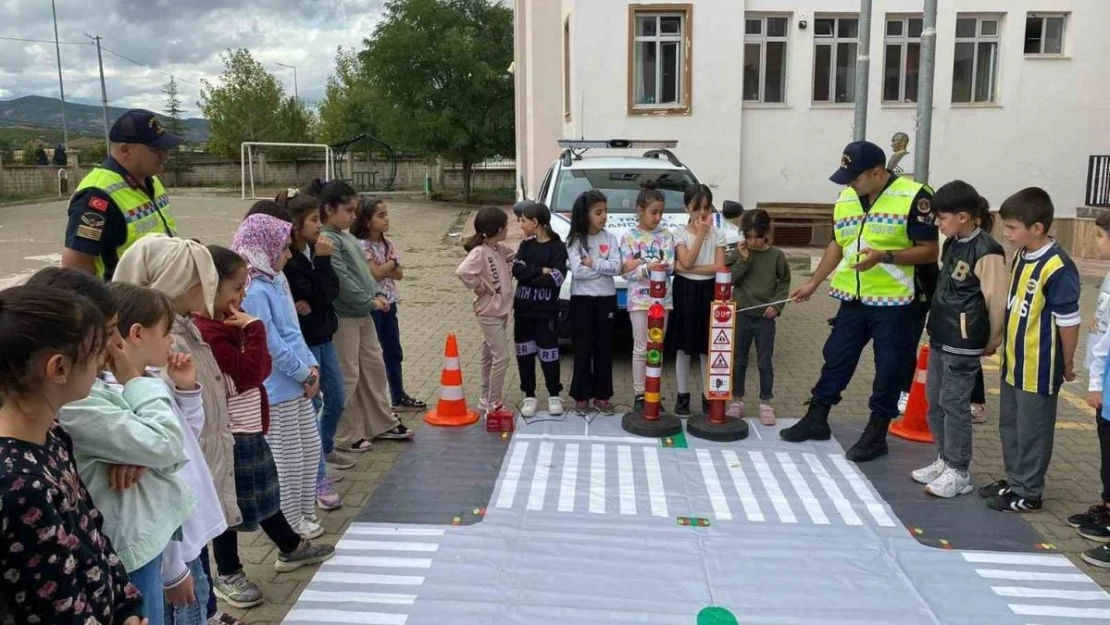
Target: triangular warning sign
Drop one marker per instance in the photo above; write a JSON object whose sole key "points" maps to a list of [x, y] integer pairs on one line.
{"points": [[719, 362], [721, 339]]}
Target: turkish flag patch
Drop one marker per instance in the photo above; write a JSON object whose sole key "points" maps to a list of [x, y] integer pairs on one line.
{"points": [[98, 204]]}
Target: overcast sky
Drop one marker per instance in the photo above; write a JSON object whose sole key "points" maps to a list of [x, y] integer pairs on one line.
{"points": [[180, 37]]}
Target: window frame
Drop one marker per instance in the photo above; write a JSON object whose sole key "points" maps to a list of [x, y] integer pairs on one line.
{"points": [[903, 41], [833, 43], [567, 104], [685, 82], [762, 40], [977, 39], [1044, 16]]}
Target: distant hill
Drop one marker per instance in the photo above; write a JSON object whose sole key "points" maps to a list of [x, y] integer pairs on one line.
{"points": [[81, 119]]}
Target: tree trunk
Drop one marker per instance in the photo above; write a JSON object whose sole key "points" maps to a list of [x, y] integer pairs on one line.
{"points": [[467, 172]]}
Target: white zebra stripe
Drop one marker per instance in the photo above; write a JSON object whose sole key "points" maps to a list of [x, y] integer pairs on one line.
{"points": [[1050, 593], [813, 508], [512, 475], [743, 487], [624, 479], [713, 486], [771, 485], [1031, 576], [365, 530], [1060, 611], [656, 492], [597, 479], [539, 477], [1017, 558], [876, 509], [840, 502], [320, 596], [569, 478], [382, 562], [362, 579], [298, 615], [383, 545]]}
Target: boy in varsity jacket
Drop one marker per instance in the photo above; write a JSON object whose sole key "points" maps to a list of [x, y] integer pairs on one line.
{"points": [[1041, 333]]}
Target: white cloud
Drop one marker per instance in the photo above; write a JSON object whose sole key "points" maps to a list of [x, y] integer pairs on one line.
{"points": [[180, 38]]}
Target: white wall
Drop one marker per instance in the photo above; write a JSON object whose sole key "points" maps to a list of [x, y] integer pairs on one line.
{"points": [[1050, 115], [538, 75]]}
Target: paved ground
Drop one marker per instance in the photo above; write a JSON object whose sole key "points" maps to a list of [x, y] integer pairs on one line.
{"points": [[433, 303]]}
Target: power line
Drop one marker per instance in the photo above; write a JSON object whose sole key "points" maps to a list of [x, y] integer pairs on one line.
{"points": [[141, 64], [64, 43]]}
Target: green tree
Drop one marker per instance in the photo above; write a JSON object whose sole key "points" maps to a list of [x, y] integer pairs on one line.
{"points": [[244, 106], [94, 154], [439, 70], [174, 121], [348, 105], [29, 151]]}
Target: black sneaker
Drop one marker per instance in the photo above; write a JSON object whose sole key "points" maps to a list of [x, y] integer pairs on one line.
{"points": [[994, 489], [1097, 514], [1098, 556], [1098, 532], [682, 405], [410, 404], [398, 433], [1013, 502], [638, 404], [812, 427]]}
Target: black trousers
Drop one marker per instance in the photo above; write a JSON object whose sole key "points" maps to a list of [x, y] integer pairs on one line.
{"points": [[225, 547], [979, 393], [762, 331], [591, 331], [537, 336], [1104, 448], [918, 327]]}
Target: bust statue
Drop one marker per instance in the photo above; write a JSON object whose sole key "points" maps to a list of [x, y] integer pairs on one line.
{"points": [[898, 144]]}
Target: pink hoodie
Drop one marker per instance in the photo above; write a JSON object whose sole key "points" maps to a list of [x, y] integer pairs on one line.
{"points": [[486, 270]]}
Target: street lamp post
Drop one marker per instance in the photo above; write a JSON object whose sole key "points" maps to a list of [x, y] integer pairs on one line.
{"points": [[61, 86], [296, 94]]}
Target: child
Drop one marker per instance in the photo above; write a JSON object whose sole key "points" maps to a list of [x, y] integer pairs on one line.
{"points": [[263, 241], [760, 274], [368, 413], [540, 267], [699, 252], [1043, 302], [1094, 524], [485, 270], [51, 344], [647, 247], [965, 323], [129, 424], [184, 270], [594, 255], [369, 228], [314, 286]]}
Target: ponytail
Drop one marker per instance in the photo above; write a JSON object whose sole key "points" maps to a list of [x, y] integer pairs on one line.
{"points": [[986, 219], [960, 197], [487, 223], [542, 214]]}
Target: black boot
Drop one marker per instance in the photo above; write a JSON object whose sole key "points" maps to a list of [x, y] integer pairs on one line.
{"points": [[704, 405], [872, 444], [682, 405], [813, 427]]}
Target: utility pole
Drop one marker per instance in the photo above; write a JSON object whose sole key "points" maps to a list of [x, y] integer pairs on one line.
{"points": [[61, 86], [103, 91], [296, 94], [925, 93], [863, 71]]}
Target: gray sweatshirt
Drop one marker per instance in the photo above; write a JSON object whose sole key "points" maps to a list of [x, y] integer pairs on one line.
{"points": [[604, 249]]}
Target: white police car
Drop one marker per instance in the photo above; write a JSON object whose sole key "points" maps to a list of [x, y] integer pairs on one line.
{"points": [[619, 177]]}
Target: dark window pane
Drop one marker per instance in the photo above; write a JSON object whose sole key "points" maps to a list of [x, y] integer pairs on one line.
{"points": [[846, 72], [753, 27], [1033, 34], [962, 70], [988, 27], [913, 70], [670, 25], [822, 66], [645, 26], [671, 72], [751, 71], [776, 26], [823, 27], [847, 27], [645, 73], [984, 72], [915, 27], [892, 73], [774, 80], [894, 28], [1054, 35], [965, 27]]}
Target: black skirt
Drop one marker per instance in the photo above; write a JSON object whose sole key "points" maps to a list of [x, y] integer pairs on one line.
{"points": [[688, 327]]}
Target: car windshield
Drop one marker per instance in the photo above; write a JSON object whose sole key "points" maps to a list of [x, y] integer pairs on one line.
{"points": [[621, 186]]}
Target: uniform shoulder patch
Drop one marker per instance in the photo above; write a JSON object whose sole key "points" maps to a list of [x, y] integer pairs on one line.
{"points": [[91, 226], [924, 210], [98, 204]]}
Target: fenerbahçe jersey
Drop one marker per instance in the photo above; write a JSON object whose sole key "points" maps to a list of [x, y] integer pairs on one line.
{"points": [[1043, 297]]}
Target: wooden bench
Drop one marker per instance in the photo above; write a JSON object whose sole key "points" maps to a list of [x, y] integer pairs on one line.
{"points": [[800, 224]]}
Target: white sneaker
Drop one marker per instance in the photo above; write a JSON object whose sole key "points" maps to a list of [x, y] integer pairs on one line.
{"points": [[483, 405], [308, 530], [950, 484], [929, 473], [903, 399], [555, 406], [528, 408]]}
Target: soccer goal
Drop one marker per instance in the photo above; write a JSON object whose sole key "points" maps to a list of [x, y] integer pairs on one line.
{"points": [[248, 155]]}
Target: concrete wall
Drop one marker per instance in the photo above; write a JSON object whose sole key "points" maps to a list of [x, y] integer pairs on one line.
{"points": [[538, 73], [1050, 114]]}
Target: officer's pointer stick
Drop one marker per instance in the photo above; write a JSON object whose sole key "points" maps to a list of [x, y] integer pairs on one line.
{"points": [[781, 301]]}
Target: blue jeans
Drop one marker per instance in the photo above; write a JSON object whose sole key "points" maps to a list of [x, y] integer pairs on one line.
{"points": [[196, 612], [331, 398], [211, 611], [148, 579], [389, 335]]}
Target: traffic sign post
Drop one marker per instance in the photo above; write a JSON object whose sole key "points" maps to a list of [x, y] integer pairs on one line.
{"points": [[716, 426]]}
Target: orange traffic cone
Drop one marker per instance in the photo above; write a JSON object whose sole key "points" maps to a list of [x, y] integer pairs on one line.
{"points": [[451, 409], [913, 425]]}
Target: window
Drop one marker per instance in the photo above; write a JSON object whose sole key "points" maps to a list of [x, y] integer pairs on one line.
{"points": [[834, 59], [903, 59], [975, 69], [1044, 33], [566, 69], [765, 59], [659, 51]]}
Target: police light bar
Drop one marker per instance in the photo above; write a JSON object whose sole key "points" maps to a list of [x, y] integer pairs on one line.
{"points": [[634, 144]]}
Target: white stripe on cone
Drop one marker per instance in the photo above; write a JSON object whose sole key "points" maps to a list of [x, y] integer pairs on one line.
{"points": [[451, 393]]}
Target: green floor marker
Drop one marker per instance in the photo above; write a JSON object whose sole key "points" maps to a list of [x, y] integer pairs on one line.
{"points": [[716, 616], [677, 441]]}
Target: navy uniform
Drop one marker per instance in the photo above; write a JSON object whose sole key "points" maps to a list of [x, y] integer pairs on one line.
{"points": [[110, 208]]}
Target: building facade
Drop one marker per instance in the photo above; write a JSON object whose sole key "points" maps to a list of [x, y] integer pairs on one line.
{"points": [[760, 93]]}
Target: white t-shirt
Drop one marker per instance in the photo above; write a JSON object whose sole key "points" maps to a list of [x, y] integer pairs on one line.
{"points": [[706, 255]]}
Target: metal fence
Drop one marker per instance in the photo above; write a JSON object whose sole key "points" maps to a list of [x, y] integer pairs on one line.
{"points": [[1098, 180]]}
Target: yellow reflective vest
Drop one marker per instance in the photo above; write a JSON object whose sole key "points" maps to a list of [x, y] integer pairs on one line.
{"points": [[142, 214]]}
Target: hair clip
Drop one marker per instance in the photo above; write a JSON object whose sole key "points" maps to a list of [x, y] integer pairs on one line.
{"points": [[292, 192]]}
